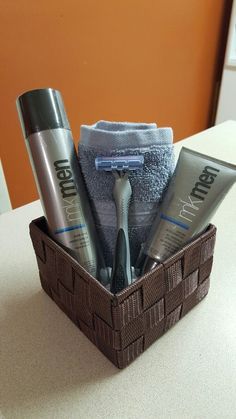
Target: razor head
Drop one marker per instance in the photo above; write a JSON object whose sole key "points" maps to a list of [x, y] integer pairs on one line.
{"points": [[119, 163]]}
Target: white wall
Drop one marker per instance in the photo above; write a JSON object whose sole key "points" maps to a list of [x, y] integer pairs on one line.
{"points": [[227, 98], [5, 203]]}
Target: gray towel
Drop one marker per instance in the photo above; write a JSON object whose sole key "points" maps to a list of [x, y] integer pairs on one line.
{"points": [[148, 184]]}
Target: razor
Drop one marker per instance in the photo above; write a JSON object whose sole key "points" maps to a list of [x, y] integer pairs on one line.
{"points": [[121, 275]]}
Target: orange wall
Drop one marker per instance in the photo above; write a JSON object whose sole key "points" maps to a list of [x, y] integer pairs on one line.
{"points": [[133, 60]]}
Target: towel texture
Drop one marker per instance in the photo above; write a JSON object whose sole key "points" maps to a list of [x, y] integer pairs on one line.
{"points": [[148, 184]]}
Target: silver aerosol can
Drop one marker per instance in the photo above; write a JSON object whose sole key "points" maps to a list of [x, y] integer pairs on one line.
{"points": [[60, 185]]}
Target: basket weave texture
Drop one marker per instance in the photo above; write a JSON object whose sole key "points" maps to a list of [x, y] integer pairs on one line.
{"points": [[122, 326]]}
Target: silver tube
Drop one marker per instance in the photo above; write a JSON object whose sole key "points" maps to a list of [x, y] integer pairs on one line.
{"points": [[54, 162], [196, 189]]}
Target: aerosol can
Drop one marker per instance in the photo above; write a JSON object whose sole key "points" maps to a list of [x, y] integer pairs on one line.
{"points": [[59, 181]]}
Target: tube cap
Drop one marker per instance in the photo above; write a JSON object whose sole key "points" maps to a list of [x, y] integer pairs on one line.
{"points": [[40, 110]]}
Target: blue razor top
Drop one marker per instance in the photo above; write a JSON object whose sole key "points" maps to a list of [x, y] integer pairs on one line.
{"points": [[119, 163]]}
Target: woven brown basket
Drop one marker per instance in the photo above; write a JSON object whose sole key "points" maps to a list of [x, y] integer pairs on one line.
{"points": [[122, 326]]}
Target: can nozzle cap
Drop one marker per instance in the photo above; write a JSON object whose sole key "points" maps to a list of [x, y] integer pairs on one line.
{"points": [[41, 109]]}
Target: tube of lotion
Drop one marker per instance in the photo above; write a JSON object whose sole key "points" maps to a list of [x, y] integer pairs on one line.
{"points": [[197, 188]]}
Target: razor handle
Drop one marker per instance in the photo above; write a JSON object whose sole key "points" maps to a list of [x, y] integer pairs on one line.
{"points": [[119, 279], [121, 270]]}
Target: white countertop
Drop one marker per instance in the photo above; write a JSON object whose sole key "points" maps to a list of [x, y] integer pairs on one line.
{"points": [[48, 372]]}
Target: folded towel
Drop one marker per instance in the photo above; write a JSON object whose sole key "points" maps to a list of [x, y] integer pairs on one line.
{"points": [[148, 184]]}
